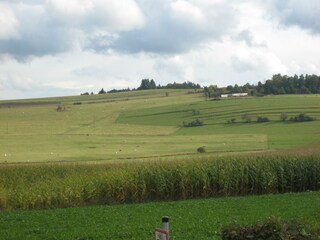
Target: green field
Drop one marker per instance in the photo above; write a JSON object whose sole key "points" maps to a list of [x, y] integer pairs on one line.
{"points": [[193, 219], [147, 124], [132, 147]]}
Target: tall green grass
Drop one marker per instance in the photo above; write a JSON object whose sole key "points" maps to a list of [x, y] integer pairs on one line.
{"points": [[2, 198], [50, 186]]}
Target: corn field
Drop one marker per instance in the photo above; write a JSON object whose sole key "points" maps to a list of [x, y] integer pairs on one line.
{"points": [[60, 185]]}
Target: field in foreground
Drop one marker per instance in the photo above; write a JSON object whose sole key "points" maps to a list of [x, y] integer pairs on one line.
{"points": [[192, 219]]}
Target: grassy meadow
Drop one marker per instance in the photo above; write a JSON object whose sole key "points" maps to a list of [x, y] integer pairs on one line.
{"points": [[148, 124], [130, 151]]}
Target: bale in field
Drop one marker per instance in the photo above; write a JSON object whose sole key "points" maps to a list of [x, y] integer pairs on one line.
{"points": [[201, 149]]}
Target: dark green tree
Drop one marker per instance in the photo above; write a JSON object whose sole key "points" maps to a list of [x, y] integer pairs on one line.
{"points": [[147, 84], [102, 91]]}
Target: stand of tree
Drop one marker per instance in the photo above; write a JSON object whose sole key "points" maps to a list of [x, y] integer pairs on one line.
{"points": [[184, 85], [278, 84], [150, 84], [119, 90], [303, 84]]}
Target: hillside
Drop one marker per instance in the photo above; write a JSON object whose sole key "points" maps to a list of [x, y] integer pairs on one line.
{"points": [[149, 124], [134, 147]]}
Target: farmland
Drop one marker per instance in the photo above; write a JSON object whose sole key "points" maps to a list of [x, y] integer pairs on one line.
{"points": [[133, 148], [192, 219], [138, 125]]}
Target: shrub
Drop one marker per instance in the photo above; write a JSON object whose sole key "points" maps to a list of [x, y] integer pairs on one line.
{"points": [[232, 120], [201, 149], [61, 108], [283, 116], [196, 123], [272, 229], [247, 117], [262, 119], [302, 117]]}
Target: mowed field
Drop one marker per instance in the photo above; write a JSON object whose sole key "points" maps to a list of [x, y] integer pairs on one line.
{"points": [[149, 124]]}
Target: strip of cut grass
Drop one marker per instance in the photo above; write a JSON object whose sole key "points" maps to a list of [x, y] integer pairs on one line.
{"points": [[193, 219], [74, 147], [214, 112]]}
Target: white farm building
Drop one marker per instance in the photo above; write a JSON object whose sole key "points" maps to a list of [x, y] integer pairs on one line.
{"points": [[234, 95]]}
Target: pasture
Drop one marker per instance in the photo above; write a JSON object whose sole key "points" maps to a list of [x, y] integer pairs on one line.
{"points": [[148, 124]]}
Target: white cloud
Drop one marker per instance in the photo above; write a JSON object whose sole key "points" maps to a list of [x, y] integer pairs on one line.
{"points": [[87, 14], [187, 11], [18, 83], [8, 22], [84, 45], [257, 60], [72, 8], [178, 26]]}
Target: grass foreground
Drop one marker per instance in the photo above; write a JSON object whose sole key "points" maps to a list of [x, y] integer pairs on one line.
{"points": [[192, 219]]}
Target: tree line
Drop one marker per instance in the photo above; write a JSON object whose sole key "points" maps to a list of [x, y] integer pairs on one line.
{"points": [[147, 84], [150, 84], [278, 84]]}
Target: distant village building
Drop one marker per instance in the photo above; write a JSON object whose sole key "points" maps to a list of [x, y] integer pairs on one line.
{"points": [[234, 95]]}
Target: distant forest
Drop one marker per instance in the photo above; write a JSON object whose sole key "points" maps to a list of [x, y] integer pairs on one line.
{"points": [[151, 84], [303, 84]]}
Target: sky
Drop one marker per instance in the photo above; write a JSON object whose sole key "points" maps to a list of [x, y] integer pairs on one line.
{"points": [[58, 47]]}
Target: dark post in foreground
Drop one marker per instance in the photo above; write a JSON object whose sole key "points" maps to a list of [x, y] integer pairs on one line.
{"points": [[163, 234]]}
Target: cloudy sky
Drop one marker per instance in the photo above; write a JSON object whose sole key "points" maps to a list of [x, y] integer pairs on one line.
{"points": [[59, 47]]}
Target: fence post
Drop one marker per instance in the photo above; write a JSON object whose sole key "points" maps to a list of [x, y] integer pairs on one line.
{"points": [[165, 224], [163, 234]]}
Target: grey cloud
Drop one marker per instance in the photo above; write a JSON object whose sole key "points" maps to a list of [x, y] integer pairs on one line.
{"points": [[304, 14], [167, 33], [38, 43], [247, 36], [36, 36], [43, 30], [100, 42]]}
